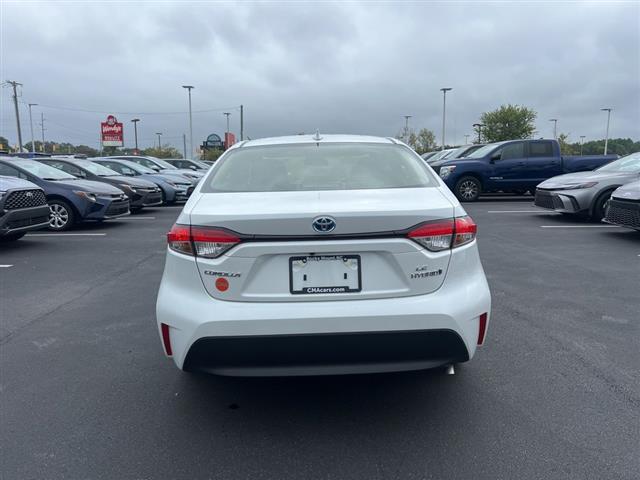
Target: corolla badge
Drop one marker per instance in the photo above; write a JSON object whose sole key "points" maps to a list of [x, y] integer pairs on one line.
{"points": [[324, 224]]}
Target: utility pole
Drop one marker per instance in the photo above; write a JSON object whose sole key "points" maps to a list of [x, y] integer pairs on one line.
{"points": [[581, 143], [189, 88], [406, 128], [42, 126], [227, 114], [159, 144], [606, 138], [241, 122], [15, 84], [555, 127], [444, 111], [33, 145], [135, 132], [184, 145]]}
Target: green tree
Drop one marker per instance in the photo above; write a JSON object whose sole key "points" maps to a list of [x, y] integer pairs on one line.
{"points": [[166, 151], [211, 155], [508, 122], [4, 144], [421, 142], [567, 148]]}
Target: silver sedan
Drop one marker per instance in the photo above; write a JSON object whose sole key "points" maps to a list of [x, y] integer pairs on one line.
{"points": [[586, 193]]}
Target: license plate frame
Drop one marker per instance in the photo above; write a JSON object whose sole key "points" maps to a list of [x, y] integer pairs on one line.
{"points": [[325, 289]]}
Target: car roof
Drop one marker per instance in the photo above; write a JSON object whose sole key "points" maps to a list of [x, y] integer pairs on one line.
{"points": [[301, 139]]}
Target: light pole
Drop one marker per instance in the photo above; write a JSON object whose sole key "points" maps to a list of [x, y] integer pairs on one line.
{"points": [[43, 129], [555, 127], [444, 110], [581, 143], [159, 144], [406, 128], [189, 88], [606, 138], [135, 131], [227, 114], [33, 144], [478, 127]]}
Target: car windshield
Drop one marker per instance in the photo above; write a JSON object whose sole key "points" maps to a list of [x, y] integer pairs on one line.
{"points": [[136, 167], [43, 171], [309, 167], [470, 150], [630, 163], [164, 164], [96, 168], [481, 152]]}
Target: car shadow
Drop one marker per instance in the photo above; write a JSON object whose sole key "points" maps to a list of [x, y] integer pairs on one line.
{"points": [[318, 399]]}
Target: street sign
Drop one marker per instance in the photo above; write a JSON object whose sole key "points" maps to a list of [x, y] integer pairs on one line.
{"points": [[112, 132]]}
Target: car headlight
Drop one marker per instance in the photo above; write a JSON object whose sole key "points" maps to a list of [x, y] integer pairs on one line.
{"points": [[575, 186], [446, 171], [86, 195], [126, 187]]}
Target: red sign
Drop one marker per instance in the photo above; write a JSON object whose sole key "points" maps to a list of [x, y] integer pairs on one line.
{"points": [[229, 139], [112, 132]]}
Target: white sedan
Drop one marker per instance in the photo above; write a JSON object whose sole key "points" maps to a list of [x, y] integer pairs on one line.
{"points": [[321, 255]]}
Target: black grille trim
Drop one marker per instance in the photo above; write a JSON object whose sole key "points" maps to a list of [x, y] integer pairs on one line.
{"points": [[25, 199], [623, 213]]}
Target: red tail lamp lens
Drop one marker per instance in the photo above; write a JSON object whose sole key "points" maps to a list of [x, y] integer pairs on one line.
{"points": [[222, 284], [434, 236], [166, 339], [482, 328], [207, 242], [466, 230]]}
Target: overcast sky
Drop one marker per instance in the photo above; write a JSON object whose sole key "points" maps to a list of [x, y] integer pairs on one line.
{"points": [[340, 67]]}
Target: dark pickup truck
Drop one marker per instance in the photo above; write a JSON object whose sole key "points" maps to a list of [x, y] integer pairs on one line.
{"points": [[512, 166]]}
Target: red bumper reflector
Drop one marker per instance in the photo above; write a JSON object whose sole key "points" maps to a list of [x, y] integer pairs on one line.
{"points": [[482, 328], [222, 284], [166, 340]]}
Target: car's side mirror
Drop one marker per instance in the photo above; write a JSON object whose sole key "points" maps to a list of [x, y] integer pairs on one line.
{"points": [[495, 156]]}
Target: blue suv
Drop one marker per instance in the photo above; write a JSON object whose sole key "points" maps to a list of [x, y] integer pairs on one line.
{"points": [[70, 199]]}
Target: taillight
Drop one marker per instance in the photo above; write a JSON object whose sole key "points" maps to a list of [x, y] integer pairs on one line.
{"points": [[206, 242], [444, 234], [466, 230], [434, 236], [166, 339]]}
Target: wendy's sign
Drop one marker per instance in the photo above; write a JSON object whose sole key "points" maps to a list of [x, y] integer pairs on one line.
{"points": [[112, 132]]}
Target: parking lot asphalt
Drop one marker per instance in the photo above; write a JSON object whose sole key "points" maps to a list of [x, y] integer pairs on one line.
{"points": [[86, 392]]}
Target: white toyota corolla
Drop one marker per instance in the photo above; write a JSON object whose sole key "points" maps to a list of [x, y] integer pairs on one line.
{"points": [[321, 255]]}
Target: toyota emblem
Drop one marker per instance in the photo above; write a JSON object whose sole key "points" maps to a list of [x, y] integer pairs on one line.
{"points": [[324, 224]]}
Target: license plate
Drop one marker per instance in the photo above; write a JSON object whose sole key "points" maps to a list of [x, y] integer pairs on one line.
{"points": [[321, 274]]}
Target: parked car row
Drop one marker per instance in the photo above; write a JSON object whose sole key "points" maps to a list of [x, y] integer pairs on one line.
{"points": [[611, 192], [59, 192]]}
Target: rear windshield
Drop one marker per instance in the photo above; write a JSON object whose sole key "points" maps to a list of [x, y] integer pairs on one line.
{"points": [[308, 167]]}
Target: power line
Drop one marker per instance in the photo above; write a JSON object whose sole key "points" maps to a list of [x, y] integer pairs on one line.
{"points": [[73, 109]]}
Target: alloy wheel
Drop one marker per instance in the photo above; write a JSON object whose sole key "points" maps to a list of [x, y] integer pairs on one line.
{"points": [[468, 190], [58, 216]]}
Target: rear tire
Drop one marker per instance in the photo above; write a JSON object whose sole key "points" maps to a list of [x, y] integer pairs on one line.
{"points": [[468, 189], [12, 237], [61, 215]]}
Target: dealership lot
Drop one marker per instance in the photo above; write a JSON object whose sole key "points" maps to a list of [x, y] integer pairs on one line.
{"points": [[87, 393]]}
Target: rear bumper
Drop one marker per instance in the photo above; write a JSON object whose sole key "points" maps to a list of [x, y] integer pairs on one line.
{"points": [[24, 219], [326, 353], [328, 337]]}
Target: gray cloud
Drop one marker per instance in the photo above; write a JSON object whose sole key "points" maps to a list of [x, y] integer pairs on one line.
{"points": [[340, 67]]}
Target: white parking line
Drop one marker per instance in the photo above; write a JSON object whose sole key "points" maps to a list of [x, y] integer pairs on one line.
{"points": [[66, 234], [579, 226], [137, 218], [520, 211], [9, 266]]}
